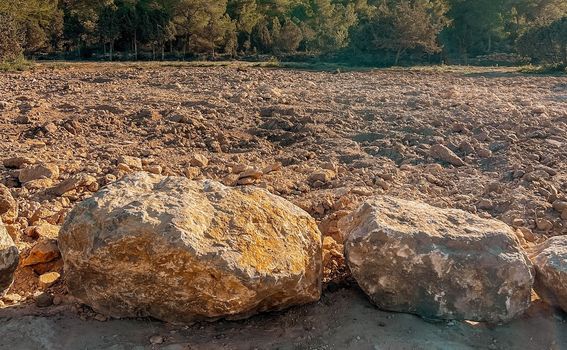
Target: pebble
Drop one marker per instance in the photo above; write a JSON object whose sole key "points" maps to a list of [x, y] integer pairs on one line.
{"points": [[44, 300], [156, 339], [48, 279], [443, 153], [199, 160]]}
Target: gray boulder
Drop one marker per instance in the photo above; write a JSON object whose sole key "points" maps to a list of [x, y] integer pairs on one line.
{"points": [[438, 263], [551, 271], [9, 258]]}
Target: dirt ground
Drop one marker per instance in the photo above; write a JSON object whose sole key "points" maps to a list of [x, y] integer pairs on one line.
{"points": [[323, 140], [343, 319]]}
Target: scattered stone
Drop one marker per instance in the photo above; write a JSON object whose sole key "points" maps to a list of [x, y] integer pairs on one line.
{"points": [[8, 205], [44, 300], [251, 173], [558, 205], [441, 152], [73, 183], [206, 251], [154, 169], [323, 176], [550, 260], [199, 160], [437, 263], [133, 163], [192, 173], [43, 251], [18, 162], [9, 258], [41, 171], [48, 279], [536, 175], [544, 224], [156, 339]]}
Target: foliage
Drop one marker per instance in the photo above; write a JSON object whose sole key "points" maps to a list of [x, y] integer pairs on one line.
{"points": [[373, 31]]}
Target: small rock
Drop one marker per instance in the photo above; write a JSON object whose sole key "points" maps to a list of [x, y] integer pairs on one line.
{"points": [[18, 162], [192, 173], [103, 318], [199, 160], [133, 163], [544, 224], [73, 183], [559, 206], [41, 171], [154, 169], [536, 175], [48, 279], [44, 300], [156, 339], [253, 173], [42, 252], [323, 176], [8, 205], [441, 152]]}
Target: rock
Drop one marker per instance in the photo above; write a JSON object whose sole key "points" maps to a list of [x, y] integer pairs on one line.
{"points": [[156, 339], [18, 162], [564, 215], [544, 224], [199, 160], [73, 183], [44, 300], [441, 152], [536, 175], [559, 206], [550, 261], [41, 171], [9, 258], [154, 169], [322, 176], [45, 229], [43, 251], [252, 173], [48, 279], [8, 205], [437, 263], [132, 163], [192, 173], [181, 250]]}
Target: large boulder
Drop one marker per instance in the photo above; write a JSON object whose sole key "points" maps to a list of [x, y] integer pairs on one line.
{"points": [[9, 258], [182, 250], [437, 263], [550, 262]]}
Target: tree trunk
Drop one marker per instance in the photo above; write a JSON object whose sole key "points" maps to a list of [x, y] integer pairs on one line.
{"points": [[111, 48], [135, 45], [398, 54]]}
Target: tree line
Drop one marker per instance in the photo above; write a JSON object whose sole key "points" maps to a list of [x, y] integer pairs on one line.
{"points": [[372, 31]]}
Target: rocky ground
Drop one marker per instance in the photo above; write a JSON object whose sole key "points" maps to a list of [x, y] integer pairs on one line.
{"points": [[490, 142]]}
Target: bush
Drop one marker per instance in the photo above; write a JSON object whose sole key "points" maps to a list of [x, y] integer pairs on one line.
{"points": [[546, 44], [10, 44]]}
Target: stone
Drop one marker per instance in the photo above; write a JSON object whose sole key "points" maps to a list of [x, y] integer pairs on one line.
{"points": [[73, 183], [199, 160], [558, 205], [45, 229], [444, 154], [550, 261], [253, 173], [48, 279], [322, 176], [18, 162], [181, 250], [9, 259], [437, 263], [132, 163], [43, 251], [43, 300], [40, 171], [156, 339], [564, 215], [8, 205], [544, 224]]}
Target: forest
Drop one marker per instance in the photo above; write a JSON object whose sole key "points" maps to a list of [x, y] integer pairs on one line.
{"points": [[379, 32]]}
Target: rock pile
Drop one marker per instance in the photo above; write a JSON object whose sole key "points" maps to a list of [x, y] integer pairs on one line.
{"points": [[181, 250], [437, 263]]}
